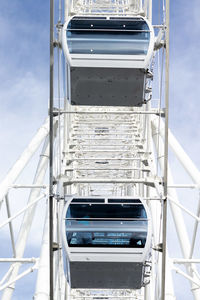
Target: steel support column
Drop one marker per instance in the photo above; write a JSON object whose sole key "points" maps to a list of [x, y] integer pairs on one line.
{"points": [[51, 140]]}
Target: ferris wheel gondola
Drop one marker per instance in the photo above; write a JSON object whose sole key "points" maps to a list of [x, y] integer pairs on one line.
{"points": [[106, 242], [107, 59]]}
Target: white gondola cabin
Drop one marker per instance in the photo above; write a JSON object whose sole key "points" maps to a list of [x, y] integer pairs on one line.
{"points": [[107, 59], [106, 242]]}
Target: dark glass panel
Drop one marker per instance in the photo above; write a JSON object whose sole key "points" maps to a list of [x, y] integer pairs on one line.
{"points": [[107, 239], [106, 211], [88, 200], [114, 36], [124, 201]]}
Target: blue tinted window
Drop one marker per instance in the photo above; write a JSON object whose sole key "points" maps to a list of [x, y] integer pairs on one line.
{"points": [[126, 37], [106, 239], [106, 211], [106, 225]]}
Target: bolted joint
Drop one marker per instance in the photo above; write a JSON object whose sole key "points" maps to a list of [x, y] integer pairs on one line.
{"points": [[56, 43], [55, 246], [158, 247]]}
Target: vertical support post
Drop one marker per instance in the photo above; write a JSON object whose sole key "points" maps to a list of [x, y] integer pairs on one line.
{"points": [[145, 7], [195, 230], [164, 229], [10, 226], [150, 11], [66, 9], [51, 138], [27, 220], [42, 285], [176, 211]]}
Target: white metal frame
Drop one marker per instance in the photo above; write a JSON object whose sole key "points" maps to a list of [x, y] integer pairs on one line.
{"points": [[139, 255], [108, 61], [149, 129]]}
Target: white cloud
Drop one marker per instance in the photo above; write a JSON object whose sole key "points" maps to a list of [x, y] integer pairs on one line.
{"points": [[24, 105], [24, 90], [23, 109]]}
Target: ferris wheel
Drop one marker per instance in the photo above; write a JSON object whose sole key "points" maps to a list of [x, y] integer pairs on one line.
{"points": [[103, 193]]}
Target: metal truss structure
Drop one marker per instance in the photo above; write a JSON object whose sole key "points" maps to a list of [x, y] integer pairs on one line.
{"points": [[101, 150]]}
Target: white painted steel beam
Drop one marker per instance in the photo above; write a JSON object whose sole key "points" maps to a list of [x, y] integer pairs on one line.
{"points": [[24, 159], [147, 181], [42, 284], [28, 218], [22, 211], [185, 261], [178, 150], [114, 112], [23, 274], [176, 211], [28, 186], [10, 225], [195, 282], [156, 212], [19, 260], [60, 279], [184, 209]]}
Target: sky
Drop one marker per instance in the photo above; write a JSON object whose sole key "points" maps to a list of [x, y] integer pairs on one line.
{"points": [[24, 88]]}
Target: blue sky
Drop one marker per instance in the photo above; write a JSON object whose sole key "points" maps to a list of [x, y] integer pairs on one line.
{"points": [[24, 75], [24, 35]]}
